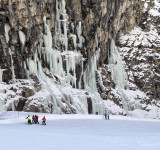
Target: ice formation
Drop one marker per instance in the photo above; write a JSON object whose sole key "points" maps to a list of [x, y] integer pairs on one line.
{"points": [[45, 81], [118, 73], [116, 66], [12, 66], [61, 63], [61, 22], [89, 74], [22, 37], [1, 74], [79, 32], [52, 56], [7, 29], [90, 83]]}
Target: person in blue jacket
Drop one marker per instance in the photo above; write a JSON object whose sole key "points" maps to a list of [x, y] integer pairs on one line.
{"points": [[105, 116]]}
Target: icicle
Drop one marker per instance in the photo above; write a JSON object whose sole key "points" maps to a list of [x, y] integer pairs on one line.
{"points": [[1, 74], [25, 67], [32, 65], [80, 80], [48, 36], [79, 32], [22, 37], [63, 3], [7, 29], [65, 28], [12, 66], [72, 26]]}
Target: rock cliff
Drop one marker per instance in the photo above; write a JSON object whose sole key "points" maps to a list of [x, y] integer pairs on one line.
{"points": [[59, 44]]}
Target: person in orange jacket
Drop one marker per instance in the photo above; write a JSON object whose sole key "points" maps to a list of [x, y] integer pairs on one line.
{"points": [[44, 121]]}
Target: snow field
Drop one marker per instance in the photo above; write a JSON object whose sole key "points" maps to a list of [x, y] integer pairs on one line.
{"points": [[77, 132]]}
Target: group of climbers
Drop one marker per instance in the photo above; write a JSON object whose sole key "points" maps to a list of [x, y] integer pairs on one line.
{"points": [[34, 120]]}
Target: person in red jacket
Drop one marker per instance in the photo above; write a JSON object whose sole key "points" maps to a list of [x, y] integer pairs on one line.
{"points": [[44, 121], [36, 119], [33, 119]]}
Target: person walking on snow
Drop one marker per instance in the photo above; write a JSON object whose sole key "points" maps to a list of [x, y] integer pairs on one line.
{"points": [[44, 121], [105, 116], [108, 115], [36, 117], [29, 119], [33, 119]]}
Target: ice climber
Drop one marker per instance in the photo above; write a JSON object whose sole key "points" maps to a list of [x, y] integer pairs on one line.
{"points": [[44, 121], [36, 118], [29, 119], [33, 119]]}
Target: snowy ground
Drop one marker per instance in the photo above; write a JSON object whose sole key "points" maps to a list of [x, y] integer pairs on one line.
{"points": [[79, 132]]}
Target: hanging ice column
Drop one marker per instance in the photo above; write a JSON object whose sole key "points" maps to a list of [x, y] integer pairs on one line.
{"points": [[79, 32], [118, 73], [116, 66], [1, 74], [61, 39], [72, 58], [61, 22], [7, 29], [89, 74], [52, 56], [90, 83], [12, 67]]}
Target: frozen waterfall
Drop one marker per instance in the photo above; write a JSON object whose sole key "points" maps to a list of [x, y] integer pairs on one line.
{"points": [[53, 57], [118, 73], [116, 66], [90, 83]]}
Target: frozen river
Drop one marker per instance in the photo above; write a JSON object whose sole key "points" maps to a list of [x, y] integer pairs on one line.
{"points": [[79, 132]]}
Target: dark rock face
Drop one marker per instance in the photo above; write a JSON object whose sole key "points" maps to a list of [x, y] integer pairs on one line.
{"points": [[99, 18], [21, 104], [145, 58]]}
